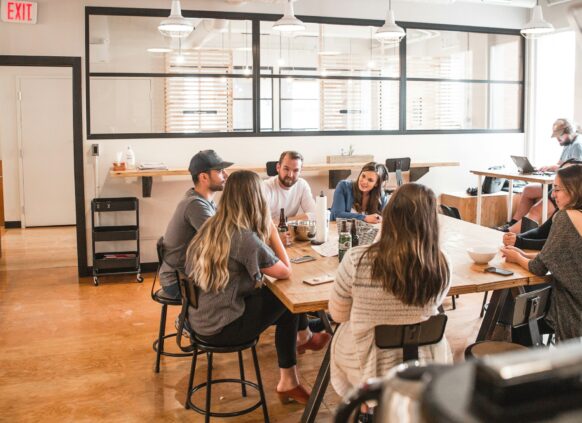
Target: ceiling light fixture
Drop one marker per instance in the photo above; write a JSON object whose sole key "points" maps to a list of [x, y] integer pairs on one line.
{"points": [[176, 25], [390, 31], [536, 25], [289, 23]]}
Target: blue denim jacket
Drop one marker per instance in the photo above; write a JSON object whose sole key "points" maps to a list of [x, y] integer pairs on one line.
{"points": [[343, 201]]}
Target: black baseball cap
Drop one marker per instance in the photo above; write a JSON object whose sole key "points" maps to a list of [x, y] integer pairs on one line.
{"points": [[206, 160]]}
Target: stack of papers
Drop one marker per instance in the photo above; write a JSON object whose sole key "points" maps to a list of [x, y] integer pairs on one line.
{"points": [[153, 166]]}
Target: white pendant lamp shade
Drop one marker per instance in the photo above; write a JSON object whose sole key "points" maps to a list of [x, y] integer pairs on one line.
{"points": [[536, 25], [289, 23], [176, 25], [390, 31]]}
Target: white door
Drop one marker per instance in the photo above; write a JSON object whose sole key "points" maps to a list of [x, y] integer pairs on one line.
{"points": [[46, 142]]}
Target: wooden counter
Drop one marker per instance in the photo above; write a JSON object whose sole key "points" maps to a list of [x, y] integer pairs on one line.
{"points": [[417, 170]]}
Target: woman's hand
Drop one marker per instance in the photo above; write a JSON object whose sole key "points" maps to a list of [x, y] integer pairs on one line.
{"points": [[512, 254], [509, 239], [373, 218]]}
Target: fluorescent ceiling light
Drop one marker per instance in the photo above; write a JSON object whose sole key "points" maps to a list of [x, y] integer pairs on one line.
{"points": [[176, 25], [536, 25], [289, 23], [390, 31], [159, 50]]}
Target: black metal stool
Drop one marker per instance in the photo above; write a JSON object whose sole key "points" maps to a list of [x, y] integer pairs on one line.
{"points": [[196, 344], [159, 297]]}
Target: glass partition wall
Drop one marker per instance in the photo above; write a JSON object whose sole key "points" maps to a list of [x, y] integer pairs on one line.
{"points": [[236, 76]]}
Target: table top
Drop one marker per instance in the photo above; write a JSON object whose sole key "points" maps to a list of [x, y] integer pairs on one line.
{"points": [[456, 237], [541, 179], [307, 167]]}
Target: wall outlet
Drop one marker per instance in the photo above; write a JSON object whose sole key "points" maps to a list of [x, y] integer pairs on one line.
{"points": [[95, 149]]}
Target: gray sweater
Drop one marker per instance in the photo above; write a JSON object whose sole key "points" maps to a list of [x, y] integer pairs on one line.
{"points": [[562, 256]]}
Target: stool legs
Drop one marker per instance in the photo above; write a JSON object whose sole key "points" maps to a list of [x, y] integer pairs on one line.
{"points": [[208, 388], [191, 380], [260, 383], [161, 337], [484, 304], [241, 367]]}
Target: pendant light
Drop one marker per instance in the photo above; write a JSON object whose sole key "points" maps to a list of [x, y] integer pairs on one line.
{"points": [[536, 25], [176, 25], [289, 23], [390, 31]]}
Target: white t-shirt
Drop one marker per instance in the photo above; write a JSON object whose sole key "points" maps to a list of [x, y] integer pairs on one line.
{"points": [[292, 199]]}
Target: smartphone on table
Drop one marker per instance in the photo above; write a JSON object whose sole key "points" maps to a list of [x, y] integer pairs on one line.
{"points": [[499, 271]]}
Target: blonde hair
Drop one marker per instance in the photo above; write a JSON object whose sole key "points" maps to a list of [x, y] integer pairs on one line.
{"points": [[407, 259], [242, 206]]}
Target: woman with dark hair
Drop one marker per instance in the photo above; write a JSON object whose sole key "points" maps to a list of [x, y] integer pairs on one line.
{"points": [[561, 255], [401, 278], [226, 261], [362, 199]]}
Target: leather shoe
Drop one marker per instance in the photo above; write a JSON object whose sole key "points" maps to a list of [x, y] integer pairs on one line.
{"points": [[317, 342], [298, 394]]}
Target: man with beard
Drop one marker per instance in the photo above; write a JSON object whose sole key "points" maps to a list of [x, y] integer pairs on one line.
{"points": [[530, 203], [209, 176], [287, 190]]}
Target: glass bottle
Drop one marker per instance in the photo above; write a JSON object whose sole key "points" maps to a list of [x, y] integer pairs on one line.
{"points": [[283, 230], [345, 240], [354, 234]]}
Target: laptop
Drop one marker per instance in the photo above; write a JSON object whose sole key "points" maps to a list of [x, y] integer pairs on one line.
{"points": [[526, 168]]}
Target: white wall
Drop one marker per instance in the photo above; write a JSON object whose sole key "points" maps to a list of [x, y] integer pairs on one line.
{"points": [[60, 31]]}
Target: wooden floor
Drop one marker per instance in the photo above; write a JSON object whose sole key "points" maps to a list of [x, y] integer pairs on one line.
{"points": [[71, 351]]}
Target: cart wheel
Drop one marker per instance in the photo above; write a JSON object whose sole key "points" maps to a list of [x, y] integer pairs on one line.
{"points": [[95, 281], [139, 278]]}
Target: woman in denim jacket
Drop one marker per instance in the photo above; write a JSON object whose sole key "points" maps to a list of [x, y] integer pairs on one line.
{"points": [[362, 199]]}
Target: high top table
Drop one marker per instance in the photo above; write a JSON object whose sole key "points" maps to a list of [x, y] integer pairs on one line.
{"points": [[466, 277], [545, 180], [417, 170]]}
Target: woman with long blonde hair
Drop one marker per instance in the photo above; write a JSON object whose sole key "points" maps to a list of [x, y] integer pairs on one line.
{"points": [[226, 261], [401, 278]]}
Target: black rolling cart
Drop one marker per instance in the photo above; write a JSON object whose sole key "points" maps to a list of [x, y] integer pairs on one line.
{"points": [[115, 262]]}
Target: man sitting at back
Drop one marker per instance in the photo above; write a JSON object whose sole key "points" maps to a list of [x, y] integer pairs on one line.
{"points": [[209, 176], [287, 190]]}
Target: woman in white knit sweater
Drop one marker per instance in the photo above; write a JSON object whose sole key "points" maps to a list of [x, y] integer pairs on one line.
{"points": [[400, 279]]}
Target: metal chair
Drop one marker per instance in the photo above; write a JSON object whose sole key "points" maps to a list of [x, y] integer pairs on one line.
{"points": [[271, 168], [407, 337], [528, 309], [197, 346], [159, 297], [398, 166]]}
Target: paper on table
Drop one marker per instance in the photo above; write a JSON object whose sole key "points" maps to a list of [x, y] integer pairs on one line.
{"points": [[327, 249]]}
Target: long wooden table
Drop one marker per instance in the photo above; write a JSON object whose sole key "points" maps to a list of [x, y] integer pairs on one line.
{"points": [[467, 277], [545, 180], [417, 170]]}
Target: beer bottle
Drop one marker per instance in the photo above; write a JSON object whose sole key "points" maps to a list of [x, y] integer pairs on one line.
{"points": [[354, 233], [283, 230], [345, 240]]}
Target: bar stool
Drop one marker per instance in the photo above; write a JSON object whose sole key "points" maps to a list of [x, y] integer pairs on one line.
{"points": [[190, 298], [160, 297]]}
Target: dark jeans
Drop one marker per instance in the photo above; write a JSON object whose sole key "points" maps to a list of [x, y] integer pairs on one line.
{"points": [[263, 309], [172, 291]]}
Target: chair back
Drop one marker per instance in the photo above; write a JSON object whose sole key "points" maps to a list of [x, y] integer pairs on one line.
{"points": [[410, 337], [530, 306], [189, 294], [398, 165], [160, 252], [272, 168], [450, 211]]}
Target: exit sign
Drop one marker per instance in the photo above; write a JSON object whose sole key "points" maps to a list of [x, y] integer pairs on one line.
{"points": [[19, 11]]}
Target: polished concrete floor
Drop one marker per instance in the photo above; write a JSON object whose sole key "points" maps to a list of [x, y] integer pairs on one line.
{"points": [[70, 351]]}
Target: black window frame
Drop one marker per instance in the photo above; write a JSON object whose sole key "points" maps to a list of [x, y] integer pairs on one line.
{"points": [[256, 19]]}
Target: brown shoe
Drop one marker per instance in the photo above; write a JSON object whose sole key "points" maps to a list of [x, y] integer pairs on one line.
{"points": [[298, 394], [317, 342]]}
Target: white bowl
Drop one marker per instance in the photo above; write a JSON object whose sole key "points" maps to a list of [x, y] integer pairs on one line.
{"points": [[482, 254]]}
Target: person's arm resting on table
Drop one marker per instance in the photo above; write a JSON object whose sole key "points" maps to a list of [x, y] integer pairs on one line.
{"points": [[282, 268], [340, 301]]}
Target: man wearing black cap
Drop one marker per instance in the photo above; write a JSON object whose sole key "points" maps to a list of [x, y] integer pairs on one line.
{"points": [[209, 176]]}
